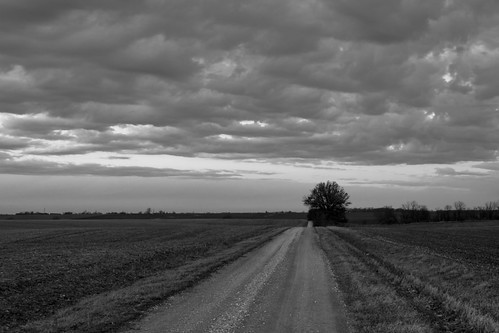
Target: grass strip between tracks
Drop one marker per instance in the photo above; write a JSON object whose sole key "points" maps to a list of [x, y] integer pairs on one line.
{"points": [[112, 310], [383, 294]]}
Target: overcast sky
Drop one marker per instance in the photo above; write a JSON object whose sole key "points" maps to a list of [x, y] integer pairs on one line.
{"points": [[209, 105]]}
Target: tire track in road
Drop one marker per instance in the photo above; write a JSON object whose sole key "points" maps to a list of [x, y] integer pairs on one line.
{"points": [[231, 319], [302, 296], [284, 286]]}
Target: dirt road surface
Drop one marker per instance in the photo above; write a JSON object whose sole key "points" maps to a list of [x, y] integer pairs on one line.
{"points": [[284, 286]]}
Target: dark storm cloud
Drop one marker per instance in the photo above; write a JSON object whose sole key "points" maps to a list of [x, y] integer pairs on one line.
{"points": [[40, 125], [12, 144], [40, 167], [391, 183], [119, 158], [383, 22], [492, 166], [452, 172], [397, 82]]}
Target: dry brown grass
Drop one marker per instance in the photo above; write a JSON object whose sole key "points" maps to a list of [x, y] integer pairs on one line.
{"points": [[445, 293]]}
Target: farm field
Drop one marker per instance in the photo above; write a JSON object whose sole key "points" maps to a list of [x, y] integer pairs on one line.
{"points": [[95, 275], [426, 277]]}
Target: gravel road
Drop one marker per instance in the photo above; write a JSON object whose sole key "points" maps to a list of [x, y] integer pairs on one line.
{"points": [[284, 286]]}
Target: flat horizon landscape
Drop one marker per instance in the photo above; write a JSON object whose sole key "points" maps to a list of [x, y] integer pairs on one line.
{"points": [[249, 166], [108, 275]]}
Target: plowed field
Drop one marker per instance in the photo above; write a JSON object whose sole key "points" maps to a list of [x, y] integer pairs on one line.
{"points": [[90, 276]]}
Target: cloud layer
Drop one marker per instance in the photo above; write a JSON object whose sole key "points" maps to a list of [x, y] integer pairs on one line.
{"points": [[402, 82]]}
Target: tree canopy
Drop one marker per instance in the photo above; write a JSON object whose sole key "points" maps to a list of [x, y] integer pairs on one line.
{"points": [[327, 202]]}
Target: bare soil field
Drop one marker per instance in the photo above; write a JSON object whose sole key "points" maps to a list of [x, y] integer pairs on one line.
{"points": [[92, 276], [427, 277]]}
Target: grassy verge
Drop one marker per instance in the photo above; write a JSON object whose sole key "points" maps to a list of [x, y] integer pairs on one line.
{"points": [[373, 305], [396, 287], [95, 279]]}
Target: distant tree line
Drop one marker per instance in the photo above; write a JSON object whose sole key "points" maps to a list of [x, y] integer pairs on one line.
{"points": [[459, 212], [412, 211], [328, 203], [150, 214]]}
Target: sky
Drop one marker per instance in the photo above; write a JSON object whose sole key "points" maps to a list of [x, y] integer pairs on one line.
{"points": [[209, 105]]}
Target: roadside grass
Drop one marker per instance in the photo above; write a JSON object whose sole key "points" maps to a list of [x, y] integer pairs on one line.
{"points": [[96, 277], [372, 304], [448, 291], [462, 260]]}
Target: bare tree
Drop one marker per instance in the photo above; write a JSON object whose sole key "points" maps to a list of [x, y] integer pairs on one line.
{"points": [[448, 209], [423, 214], [406, 212], [460, 207], [490, 207], [412, 211]]}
